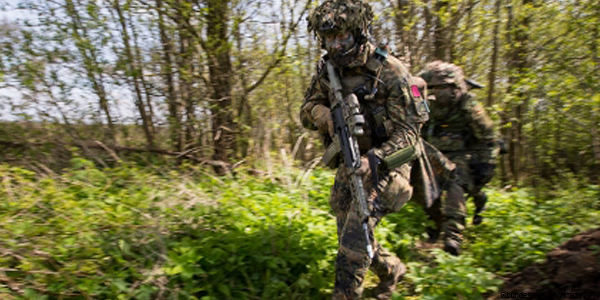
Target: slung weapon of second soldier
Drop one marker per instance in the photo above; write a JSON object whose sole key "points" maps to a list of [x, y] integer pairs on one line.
{"points": [[348, 122]]}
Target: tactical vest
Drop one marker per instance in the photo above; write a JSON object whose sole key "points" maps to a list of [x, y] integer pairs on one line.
{"points": [[448, 127], [366, 83]]}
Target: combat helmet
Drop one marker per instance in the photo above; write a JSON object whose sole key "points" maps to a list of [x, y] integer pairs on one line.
{"points": [[353, 16], [440, 73]]}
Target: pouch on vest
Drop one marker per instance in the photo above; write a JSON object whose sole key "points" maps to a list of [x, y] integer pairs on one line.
{"points": [[383, 125]]}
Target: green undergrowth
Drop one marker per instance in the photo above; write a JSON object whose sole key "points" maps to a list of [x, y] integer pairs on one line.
{"points": [[144, 233]]}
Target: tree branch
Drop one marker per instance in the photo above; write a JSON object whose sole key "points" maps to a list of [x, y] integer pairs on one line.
{"points": [[278, 53]]}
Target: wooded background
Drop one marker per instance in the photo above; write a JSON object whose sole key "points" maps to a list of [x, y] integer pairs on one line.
{"points": [[221, 81], [114, 115]]}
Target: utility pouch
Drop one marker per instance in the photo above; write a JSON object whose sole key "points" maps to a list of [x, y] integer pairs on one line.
{"points": [[400, 157]]}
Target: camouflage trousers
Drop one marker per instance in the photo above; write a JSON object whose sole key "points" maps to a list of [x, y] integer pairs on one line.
{"points": [[353, 261], [470, 177], [472, 174]]}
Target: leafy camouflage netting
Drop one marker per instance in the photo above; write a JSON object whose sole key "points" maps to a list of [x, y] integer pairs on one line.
{"points": [[342, 15], [440, 73]]}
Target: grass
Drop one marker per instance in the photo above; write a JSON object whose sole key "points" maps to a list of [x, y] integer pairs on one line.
{"points": [[133, 232]]}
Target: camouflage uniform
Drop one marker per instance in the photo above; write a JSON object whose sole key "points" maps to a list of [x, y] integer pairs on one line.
{"points": [[394, 112], [464, 132]]}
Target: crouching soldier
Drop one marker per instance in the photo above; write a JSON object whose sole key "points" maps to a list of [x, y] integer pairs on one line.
{"points": [[461, 129]]}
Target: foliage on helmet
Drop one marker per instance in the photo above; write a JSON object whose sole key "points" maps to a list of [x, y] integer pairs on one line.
{"points": [[341, 15], [442, 73]]}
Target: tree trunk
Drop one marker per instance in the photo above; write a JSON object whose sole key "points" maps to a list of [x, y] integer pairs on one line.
{"points": [[518, 65], [594, 114], [167, 70], [92, 68], [506, 161], [220, 70], [522, 64], [441, 39], [404, 43], [132, 73], [426, 43], [185, 67], [495, 50], [139, 63]]}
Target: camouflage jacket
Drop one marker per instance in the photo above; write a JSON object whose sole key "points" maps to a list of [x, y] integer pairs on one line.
{"points": [[394, 111], [463, 127]]}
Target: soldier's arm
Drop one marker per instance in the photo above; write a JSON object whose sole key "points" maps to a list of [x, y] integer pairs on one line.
{"points": [[483, 130], [314, 98]]}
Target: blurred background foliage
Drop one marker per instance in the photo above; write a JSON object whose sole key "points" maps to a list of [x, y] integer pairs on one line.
{"points": [[219, 82]]}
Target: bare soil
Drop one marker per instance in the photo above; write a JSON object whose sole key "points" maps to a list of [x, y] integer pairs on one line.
{"points": [[573, 267]]}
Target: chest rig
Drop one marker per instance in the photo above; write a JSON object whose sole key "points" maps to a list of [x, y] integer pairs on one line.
{"points": [[369, 81], [448, 129], [366, 83]]}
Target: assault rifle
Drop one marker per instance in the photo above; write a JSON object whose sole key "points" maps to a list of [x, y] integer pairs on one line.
{"points": [[348, 122]]}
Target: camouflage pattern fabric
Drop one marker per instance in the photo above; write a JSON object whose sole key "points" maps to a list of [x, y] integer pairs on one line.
{"points": [[463, 126], [459, 127], [394, 113], [352, 261], [341, 15], [462, 130], [444, 171], [466, 135], [441, 73], [404, 115]]}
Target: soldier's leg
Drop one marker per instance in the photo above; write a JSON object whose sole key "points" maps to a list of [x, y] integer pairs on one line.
{"points": [[455, 211], [352, 260], [482, 174], [480, 199], [434, 212], [455, 208], [443, 168], [396, 191], [390, 271]]}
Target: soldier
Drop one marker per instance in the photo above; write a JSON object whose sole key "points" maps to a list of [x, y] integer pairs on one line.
{"points": [[459, 127], [394, 112]]}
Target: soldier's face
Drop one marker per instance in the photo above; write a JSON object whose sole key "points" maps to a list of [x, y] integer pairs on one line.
{"points": [[445, 93], [338, 42]]}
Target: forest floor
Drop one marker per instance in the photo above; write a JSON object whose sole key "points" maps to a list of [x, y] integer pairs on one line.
{"points": [[573, 267]]}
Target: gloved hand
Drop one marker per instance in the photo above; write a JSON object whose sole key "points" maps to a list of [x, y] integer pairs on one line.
{"points": [[322, 116], [364, 166]]}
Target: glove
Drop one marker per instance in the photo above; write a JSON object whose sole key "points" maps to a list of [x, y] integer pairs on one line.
{"points": [[364, 166], [322, 116]]}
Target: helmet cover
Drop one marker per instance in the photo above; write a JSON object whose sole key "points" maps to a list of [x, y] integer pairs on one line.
{"points": [[341, 15], [440, 73]]}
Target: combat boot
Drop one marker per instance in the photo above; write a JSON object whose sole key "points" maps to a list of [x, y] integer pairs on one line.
{"points": [[480, 200], [452, 246], [453, 237], [477, 219], [433, 234], [387, 284]]}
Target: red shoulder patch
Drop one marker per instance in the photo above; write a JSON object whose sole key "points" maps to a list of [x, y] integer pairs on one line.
{"points": [[415, 91]]}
